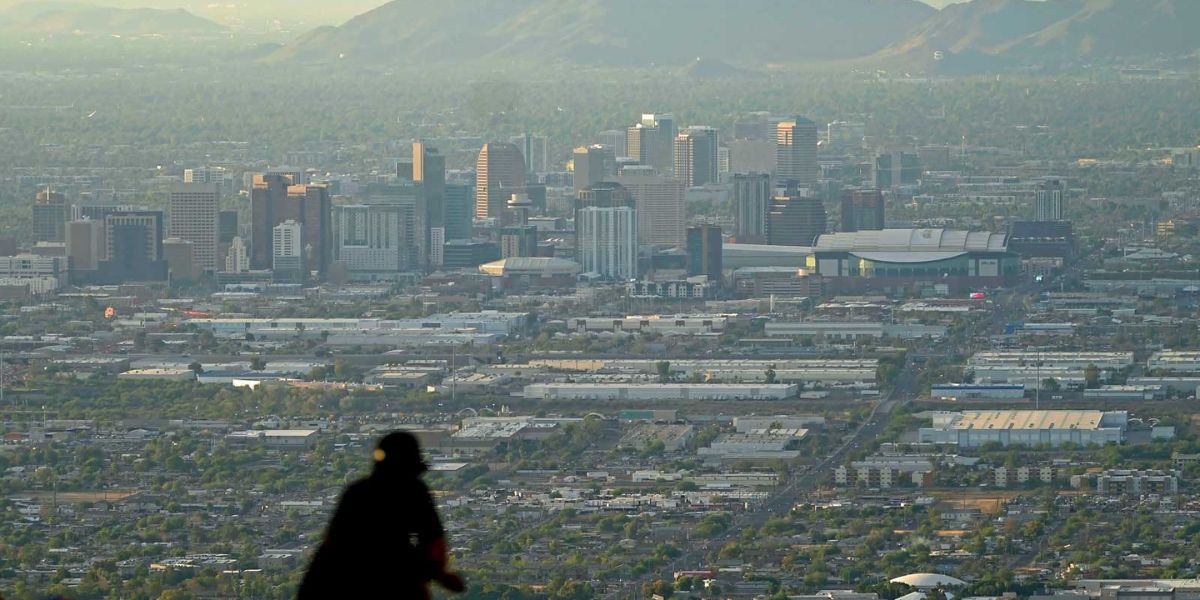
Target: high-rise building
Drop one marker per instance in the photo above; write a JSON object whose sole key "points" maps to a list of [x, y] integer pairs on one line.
{"points": [[50, 215], [604, 194], [194, 217], [437, 246], [237, 259], [592, 164], [862, 210], [894, 169], [468, 254], [704, 248], [724, 163], [607, 241], [518, 240], [651, 142], [696, 151], [288, 249], [181, 259], [268, 194], [217, 176], [405, 169], [314, 207], [616, 139], [460, 212], [661, 206], [134, 236], [796, 152], [273, 201], [751, 201], [500, 169], [429, 169], [795, 220], [1048, 201], [384, 236], [534, 150], [133, 245], [228, 222], [296, 175], [85, 244]]}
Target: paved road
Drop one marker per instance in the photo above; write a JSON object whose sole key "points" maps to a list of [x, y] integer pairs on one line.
{"points": [[799, 486], [1005, 307]]}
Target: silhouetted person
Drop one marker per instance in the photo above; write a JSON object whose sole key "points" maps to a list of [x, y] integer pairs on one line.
{"points": [[385, 539]]}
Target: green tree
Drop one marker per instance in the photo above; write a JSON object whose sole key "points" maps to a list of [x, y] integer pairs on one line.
{"points": [[664, 371]]}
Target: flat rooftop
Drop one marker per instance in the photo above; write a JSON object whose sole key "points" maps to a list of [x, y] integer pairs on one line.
{"points": [[1029, 419]]}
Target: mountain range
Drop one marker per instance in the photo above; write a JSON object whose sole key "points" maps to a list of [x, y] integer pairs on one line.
{"points": [[995, 34], [614, 32], [979, 35], [67, 18]]}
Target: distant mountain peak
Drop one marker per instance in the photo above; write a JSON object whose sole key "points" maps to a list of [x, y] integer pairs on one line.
{"points": [[72, 18], [996, 34], [744, 34]]}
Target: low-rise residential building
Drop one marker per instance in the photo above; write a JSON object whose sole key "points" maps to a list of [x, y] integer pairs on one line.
{"points": [[885, 471], [1124, 482]]}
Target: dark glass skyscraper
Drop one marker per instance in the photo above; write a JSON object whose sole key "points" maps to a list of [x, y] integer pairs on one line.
{"points": [[704, 248], [795, 221], [862, 210], [696, 156]]}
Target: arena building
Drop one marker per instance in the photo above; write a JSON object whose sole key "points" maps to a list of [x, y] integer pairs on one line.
{"points": [[907, 259]]}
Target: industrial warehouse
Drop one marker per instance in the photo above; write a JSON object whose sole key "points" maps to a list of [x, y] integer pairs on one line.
{"points": [[974, 428], [660, 391]]}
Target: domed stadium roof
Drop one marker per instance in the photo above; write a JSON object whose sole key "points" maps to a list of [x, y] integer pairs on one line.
{"points": [[530, 265], [929, 580]]}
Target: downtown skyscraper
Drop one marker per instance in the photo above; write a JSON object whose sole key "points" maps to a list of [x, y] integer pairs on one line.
{"points": [[499, 172], [194, 217], [796, 152], [696, 153]]}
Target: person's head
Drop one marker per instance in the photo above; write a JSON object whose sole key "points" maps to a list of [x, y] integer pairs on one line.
{"points": [[399, 453]]}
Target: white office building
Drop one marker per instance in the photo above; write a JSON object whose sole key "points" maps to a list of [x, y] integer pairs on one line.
{"points": [[237, 259], [287, 250], [607, 241], [379, 240]]}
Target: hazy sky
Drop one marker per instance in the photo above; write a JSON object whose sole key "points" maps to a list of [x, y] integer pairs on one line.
{"points": [[313, 12]]}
